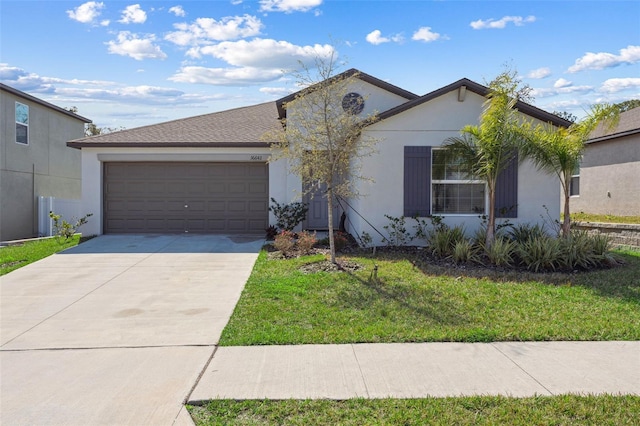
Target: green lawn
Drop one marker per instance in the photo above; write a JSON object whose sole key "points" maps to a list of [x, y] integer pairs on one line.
{"points": [[605, 218], [16, 256], [558, 410], [414, 301]]}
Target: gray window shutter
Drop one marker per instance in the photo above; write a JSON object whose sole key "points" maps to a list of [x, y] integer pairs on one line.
{"points": [[417, 181], [507, 191]]}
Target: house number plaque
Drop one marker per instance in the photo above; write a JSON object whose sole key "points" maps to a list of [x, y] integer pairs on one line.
{"points": [[256, 158]]}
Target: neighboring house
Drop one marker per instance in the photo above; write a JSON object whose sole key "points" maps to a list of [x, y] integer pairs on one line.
{"points": [[34, 159], [211, 173], [609, 178]]}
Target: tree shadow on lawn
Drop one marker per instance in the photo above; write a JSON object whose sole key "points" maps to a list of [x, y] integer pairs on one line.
{"points": [[433, 306], [621, 281]]}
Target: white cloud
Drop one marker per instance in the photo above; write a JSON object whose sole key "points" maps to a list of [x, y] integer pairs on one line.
{"points": [[266, 53], [539, 73], [288, 6], [178, 11], [518, 21], [87, 13], [561, 82], [602, 60], [618, 84], [560, 90], [425, 34], [128, 44], [133, 14], [206, 30], [275, 91], [375, 37], [225, 76]]}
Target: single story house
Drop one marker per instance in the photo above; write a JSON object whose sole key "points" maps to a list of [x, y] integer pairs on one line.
{"points": [[34, 159], [212, 173], [609, 178]]}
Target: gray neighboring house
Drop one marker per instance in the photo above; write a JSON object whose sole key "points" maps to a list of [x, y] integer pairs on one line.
{"points": [[609, 177], [34, 159]]}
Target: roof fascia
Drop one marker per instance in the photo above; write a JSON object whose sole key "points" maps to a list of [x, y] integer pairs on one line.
{"points": [[81, 144], [28, 97], [482, 91], [280, 103], [613, 136]]}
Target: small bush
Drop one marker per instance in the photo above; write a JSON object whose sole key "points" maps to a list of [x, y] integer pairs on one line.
{"points": [[306, 241], [285, 242], [540, 252], [577, 251], [397, 229], [463, 251], [524, 232], [340, 240], [442, 239], [64, 229], [288, 216], [501, 252]]}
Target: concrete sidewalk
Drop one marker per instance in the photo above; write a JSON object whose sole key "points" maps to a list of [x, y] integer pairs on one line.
{"points": [[417, 370]]}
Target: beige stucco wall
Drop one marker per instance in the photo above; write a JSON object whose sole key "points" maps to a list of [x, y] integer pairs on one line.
{"points": [[46, 166], [430, 124], [610, 178]]}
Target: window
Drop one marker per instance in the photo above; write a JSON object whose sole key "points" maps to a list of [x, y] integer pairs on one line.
{"points": [[453, 189], [574, 185], [22, 123]]}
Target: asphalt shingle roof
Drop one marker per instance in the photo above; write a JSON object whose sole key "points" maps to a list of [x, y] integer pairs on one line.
{"points": [[244, 126], [629, 124]]}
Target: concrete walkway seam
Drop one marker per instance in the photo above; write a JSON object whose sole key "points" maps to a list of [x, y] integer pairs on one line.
{"points": [[522, 369]]}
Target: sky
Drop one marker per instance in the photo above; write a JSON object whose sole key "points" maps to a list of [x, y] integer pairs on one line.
{"points": [[125, 64]]}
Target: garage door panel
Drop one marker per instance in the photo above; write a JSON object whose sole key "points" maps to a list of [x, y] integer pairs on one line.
{"points": [[151, 197]]}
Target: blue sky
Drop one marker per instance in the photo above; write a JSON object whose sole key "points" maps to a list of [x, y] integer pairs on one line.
{"points": [[132, 63]]}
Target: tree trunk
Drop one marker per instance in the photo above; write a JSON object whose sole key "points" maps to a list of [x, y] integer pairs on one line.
{"points": [[491, 225], [332, 244], [566, 223]]}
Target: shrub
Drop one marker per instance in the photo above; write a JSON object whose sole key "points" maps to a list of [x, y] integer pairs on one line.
{"points": [[577, 251], [540, 252], [501, 252], [285, 242], [442, 239], [340, 240], [306, 241], [288, 216], [421, 229], [271, 232], [397, 229], [463, 251], [523, 232], [64, 229]]}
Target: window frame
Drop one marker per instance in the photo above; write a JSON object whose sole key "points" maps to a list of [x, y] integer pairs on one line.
{"points": [[20, 123], [574, 176], [435, 181]]}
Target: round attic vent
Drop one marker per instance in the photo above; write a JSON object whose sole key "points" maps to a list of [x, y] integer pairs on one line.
{"points": [[353, 103]]}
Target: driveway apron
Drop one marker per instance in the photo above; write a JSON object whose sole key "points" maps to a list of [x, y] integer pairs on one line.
{"points": [[118, 329]]}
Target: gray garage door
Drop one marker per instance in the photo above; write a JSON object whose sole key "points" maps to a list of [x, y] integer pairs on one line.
{"points": [[185, 197]]}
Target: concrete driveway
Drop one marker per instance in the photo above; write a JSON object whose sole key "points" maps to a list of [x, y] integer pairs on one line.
{"points": [[117, 330]]}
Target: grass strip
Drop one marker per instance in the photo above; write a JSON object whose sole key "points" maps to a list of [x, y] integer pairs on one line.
{"points": [[481, 410], [16, 256]]}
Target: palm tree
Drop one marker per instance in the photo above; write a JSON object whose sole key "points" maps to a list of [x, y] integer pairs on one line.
{"points": [[486, 149], [559, 150]]}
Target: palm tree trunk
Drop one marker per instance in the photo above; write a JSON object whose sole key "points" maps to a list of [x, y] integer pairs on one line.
{"points": [[566, 223], [491, 225]]}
